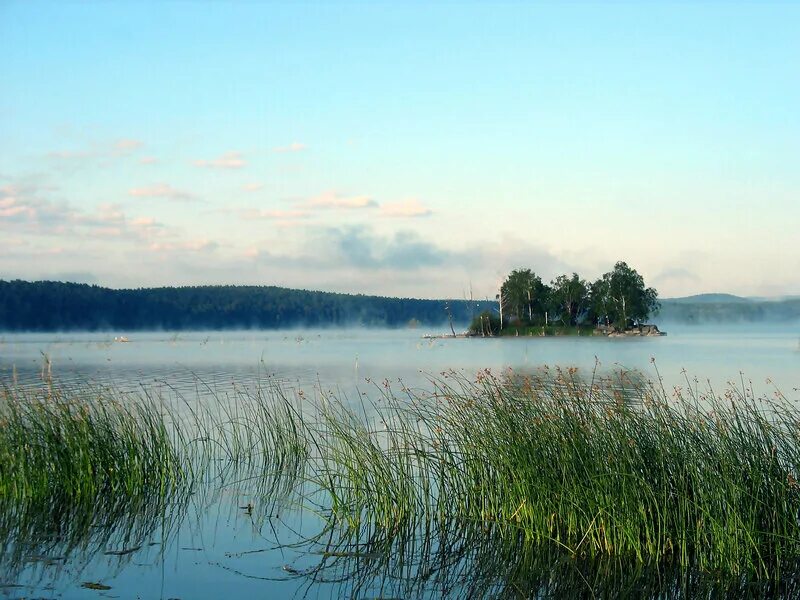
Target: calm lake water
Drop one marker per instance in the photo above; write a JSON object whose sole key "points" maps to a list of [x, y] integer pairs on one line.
{"points": [[346, 357], [212, 548]]}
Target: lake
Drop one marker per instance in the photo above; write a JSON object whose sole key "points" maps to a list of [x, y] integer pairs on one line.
{"points": [[346, 357], [230, 540]]}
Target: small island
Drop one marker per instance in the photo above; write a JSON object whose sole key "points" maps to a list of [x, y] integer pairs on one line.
{"points": [[617, 304]]}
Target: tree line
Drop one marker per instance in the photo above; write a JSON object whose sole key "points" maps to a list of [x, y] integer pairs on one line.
{"points": [[54, 306], [618, 299]]}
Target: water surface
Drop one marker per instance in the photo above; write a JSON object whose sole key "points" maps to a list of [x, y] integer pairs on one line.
{"points": [[347, 357], [212, 545]]}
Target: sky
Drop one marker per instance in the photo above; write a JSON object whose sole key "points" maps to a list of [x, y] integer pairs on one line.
{"points": [[408, 149]]}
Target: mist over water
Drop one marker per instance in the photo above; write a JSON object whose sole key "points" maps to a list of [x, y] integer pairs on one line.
{"points": [[345, 358]]}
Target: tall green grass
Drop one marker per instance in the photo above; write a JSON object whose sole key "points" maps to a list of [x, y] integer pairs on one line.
{"points": [[601, 468], [619, 469], [83, 444], [90, 470]]}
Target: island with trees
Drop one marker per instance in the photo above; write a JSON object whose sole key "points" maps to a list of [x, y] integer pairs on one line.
{"points": [[618, 303]]}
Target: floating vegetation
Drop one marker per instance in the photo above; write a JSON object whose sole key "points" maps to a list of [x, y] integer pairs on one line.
{"points": [[545, 472]]}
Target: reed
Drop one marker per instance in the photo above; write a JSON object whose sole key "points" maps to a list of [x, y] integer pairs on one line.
{"points": [[609, 467], [79, 445], [88, 470], [615, 468]]}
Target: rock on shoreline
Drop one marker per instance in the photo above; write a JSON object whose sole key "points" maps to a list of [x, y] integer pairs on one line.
{"points": [[639, 330]]}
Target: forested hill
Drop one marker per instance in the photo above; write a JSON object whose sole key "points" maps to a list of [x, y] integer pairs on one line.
{"points": [[723, 308], [55, 306]]}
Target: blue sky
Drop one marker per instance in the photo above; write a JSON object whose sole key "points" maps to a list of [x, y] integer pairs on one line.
{"points": [[405, 149]]}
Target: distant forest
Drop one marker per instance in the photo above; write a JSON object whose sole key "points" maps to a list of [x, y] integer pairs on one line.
{"points": [[55, 306]]}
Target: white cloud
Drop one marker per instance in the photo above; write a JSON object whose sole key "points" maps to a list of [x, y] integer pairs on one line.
{"points": [[275, 214], [363, 259], [28, 209], [126, 146], [202, 245], [119, 148], [252, 187], [24, 206], [198, 245], [70, 154], [15, 243], [229, 160], [405, 208], [331, 200], [9, 208], [159, 190]]}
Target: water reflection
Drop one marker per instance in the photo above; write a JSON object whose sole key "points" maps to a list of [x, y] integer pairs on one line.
{"points": [[457, 561], [50, 544], [48, 539], [467, 561], [346, 357]]}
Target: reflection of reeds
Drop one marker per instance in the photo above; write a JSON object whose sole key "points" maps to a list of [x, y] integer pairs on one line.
{"points": [[41, 537], [81, 476], [465, 560]]}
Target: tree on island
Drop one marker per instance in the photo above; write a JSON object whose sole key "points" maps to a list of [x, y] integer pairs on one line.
{"points": [[600, 308], [485, 324], [570, 298], [620, 298], [524, 295]]}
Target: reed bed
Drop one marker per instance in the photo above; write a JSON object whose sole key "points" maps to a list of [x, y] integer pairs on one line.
{"points": [[86, 442], [605, 468], [614, 467], [75, 445], [91, 470]]}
